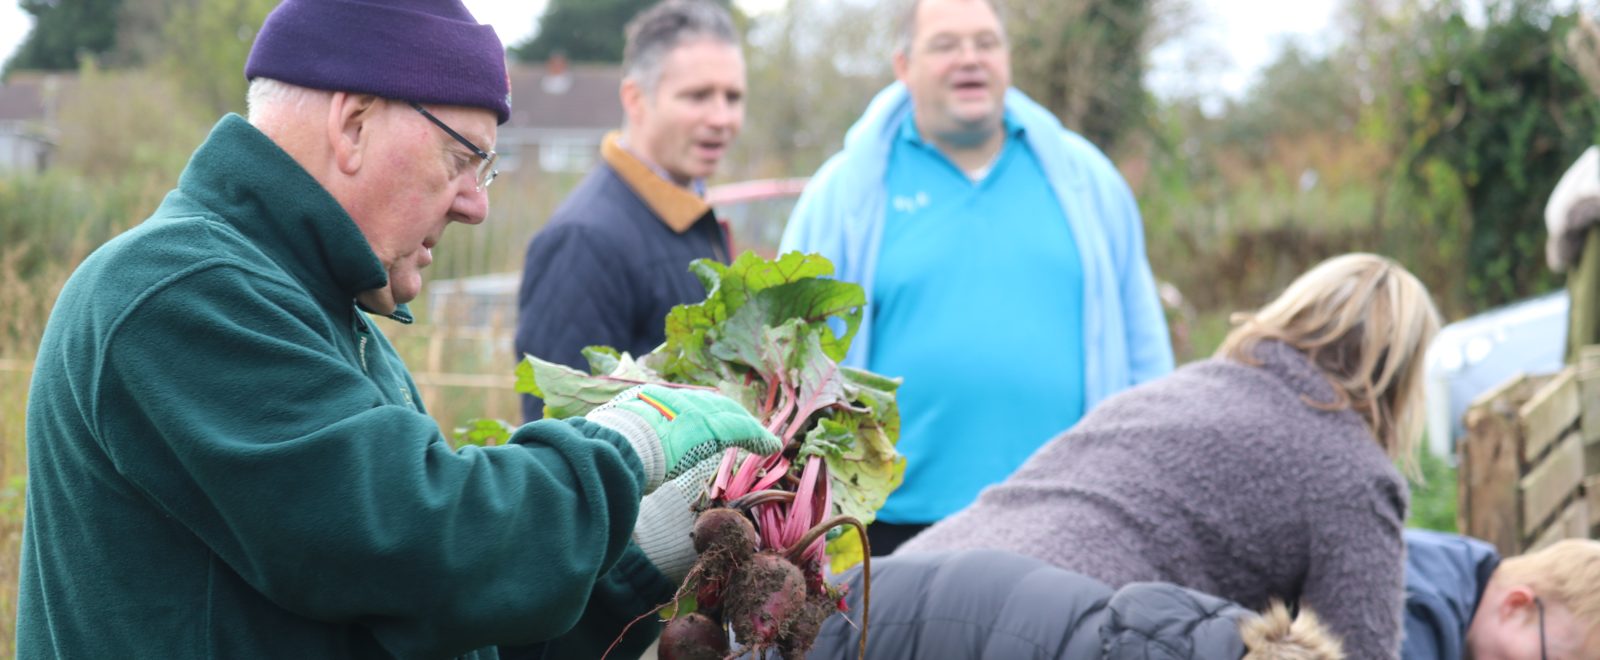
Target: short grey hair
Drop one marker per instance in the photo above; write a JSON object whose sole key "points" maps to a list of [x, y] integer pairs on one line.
{"points": [[908, 24], [665, 26], [267, 97]]}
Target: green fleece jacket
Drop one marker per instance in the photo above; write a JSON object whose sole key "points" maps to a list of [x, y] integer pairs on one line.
{"points": [[226, 459]]}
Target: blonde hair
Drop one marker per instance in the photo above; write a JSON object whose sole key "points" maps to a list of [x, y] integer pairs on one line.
{"points": [[1366, 323], [1274, 635], [1566, 572]]}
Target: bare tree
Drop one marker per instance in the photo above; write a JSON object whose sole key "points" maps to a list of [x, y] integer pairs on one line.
{"points": [[813, 66]]}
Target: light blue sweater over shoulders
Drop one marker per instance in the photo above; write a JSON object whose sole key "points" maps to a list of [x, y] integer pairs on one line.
{"points": [[840, 215]]}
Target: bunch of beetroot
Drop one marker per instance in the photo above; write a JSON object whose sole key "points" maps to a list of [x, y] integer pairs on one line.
{"points": [[763, 337], [770, 599]]}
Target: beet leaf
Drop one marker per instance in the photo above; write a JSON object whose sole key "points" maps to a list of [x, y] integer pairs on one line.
{"points": [[770, 335]]}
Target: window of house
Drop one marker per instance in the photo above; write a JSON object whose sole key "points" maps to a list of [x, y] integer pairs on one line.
{"points": [[567, 154]]}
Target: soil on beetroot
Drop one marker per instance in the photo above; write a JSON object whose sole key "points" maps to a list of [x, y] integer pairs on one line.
{"points": [[767, 591]]}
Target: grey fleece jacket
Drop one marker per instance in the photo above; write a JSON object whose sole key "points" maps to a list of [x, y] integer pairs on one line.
{"points": [[1220, 478]]}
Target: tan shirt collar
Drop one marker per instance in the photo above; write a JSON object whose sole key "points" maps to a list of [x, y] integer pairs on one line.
{"points": [[675, 205]]}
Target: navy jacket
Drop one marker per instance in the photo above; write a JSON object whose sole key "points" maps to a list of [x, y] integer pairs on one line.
{"points": [[1445, 577], [608, 267], [992, 604]]}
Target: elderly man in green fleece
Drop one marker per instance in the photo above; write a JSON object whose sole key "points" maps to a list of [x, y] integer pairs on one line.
{"points": [[228, 460]]}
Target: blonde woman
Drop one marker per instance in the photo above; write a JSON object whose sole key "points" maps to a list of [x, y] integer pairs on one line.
{"points": [[1267, 472]]}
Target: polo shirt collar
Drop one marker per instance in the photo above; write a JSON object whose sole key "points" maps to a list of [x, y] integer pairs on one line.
{"points": [[910, 134]]}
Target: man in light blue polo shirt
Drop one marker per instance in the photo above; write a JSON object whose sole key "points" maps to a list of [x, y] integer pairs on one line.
{"points": [[1003, 258]]}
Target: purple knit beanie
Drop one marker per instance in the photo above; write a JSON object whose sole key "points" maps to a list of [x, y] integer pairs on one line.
{"points": [[428, 51]]}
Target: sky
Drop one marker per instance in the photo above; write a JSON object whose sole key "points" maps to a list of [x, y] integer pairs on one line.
{"points": [[1232, 40], [1236, 37]]}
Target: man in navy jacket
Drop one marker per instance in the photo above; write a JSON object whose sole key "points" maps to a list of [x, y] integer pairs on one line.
{"points": [[614, 259]]}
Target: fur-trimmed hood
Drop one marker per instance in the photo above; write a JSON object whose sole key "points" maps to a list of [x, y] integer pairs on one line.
{"points": [[1277, 635]]}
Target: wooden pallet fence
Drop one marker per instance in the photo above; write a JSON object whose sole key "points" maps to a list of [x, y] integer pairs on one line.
{"points": [[1530, 461], [462, 371], [1589, 426]]}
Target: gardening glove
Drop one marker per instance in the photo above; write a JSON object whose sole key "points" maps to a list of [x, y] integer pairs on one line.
{"points": [[672, 429], [666, 520]]}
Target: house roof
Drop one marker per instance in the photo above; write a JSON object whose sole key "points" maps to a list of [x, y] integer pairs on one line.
{"points": [[580, 97], [22, 98]]}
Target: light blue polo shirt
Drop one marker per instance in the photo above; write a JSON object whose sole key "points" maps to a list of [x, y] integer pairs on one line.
{"points": [[978, 304]]}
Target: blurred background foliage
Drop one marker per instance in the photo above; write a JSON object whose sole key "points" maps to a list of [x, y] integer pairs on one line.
{"points": [[583, 30], [1421, 133]]}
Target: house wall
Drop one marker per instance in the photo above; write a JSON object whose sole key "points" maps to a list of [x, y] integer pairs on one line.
{"points": [[20, 151], [573, 151]]}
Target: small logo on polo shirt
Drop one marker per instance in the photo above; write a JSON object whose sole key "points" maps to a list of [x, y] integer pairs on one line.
{"points": [[910, 203]]}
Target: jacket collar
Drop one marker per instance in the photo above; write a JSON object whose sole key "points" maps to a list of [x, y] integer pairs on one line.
{"points": [[677, 207], [255, 187]]}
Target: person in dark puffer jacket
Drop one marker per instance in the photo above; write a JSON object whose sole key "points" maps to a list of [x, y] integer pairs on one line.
{"points": [[983, 604]]}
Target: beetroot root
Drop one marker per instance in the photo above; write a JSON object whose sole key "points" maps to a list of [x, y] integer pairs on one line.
{"points": [[693, 636], [767, 591], [796, 640], [724, 530], [725, 539]]}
